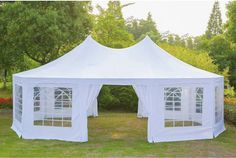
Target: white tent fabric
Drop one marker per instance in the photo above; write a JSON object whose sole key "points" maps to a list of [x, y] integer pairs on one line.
{"points": [[90, 60], [181, 102], [93, 109], [141, 92]]}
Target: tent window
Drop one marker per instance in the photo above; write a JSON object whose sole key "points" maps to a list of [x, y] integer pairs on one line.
{"points": [[218, 105], [173, 99], [180, 110], [63, 98], [199, 99], [18, 102], [36, 98], [52, 106]]}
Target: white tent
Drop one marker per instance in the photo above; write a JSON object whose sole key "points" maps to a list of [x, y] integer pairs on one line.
{"points": [[181, 102]]}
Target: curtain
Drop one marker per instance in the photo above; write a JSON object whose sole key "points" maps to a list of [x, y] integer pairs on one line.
{"points": [[92, 100], [93, 108], [141, 92]]}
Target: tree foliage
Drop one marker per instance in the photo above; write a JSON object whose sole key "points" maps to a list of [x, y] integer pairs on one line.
{"points": [[220, 49], [198, 59], [10, 57], [214, 26], [40, 29], [109, 28], [231, 22], [230, 33], [118, 98], [142, 27]]}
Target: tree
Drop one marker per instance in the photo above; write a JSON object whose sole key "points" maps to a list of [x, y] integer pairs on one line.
{"points": [[221, 51], [41, 29], [110, 29], [214, 26], [231, 22], [230, 33], [170, 39], [10, 58], [140, 28], [190, 42]]}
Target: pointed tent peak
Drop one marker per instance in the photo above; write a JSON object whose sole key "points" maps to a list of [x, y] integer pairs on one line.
{"points": [[90, 39], [147, 37], [145, 41]]}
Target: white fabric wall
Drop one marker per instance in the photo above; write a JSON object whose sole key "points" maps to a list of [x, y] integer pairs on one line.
{"points": [[16, 125], [151, 95], [219, 127]]}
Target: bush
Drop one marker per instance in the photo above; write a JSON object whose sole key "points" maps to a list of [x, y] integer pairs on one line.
{"points": [[5, 102], [230, 110], [122, 98]]}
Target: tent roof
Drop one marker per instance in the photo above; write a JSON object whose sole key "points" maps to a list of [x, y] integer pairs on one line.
{"points": [[93, 60]]}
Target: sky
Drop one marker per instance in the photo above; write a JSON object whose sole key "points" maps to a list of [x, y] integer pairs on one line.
{"points": [[177, 16]]}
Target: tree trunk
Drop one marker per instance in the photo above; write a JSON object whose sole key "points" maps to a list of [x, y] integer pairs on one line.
{"points": [[5, 79]]}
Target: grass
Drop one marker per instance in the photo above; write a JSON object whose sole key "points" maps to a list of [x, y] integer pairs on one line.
{"points": [[113, 135], [6, 93]]}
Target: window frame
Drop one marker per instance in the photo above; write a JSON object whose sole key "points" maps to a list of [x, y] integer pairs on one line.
{"points": [[52, 119], [199, 99], [175, 98], [18, 102]]}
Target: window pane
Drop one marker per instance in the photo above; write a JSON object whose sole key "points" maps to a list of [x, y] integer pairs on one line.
{"points": [[18, 102], [218, 104], [52, 106], [199, 99], [180, 110]]}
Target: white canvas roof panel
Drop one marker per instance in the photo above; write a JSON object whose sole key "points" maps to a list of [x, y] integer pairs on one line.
{"points": [[92, 60]]}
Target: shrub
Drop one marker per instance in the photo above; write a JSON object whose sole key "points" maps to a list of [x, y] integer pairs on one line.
{"points": [[122, 98], [230, 110], [5, 102]]}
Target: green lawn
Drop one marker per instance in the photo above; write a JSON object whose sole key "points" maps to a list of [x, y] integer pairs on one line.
{"points": [[113, 135], [6, 93]]}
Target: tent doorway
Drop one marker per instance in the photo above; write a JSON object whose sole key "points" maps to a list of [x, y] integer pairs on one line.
{"points": [[117, 119], [117, 98]]}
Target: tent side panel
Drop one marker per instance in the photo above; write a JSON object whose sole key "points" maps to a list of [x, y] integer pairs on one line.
{"points": [[17, 119], [219, 126], [187, 112], [49, 117]]}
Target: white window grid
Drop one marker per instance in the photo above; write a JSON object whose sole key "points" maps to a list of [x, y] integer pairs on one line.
{"points": [[18, 102], [36, 98], [199, 99], [181, 123], [63, 98], [172, 97], [58, 117], [218, 105]]}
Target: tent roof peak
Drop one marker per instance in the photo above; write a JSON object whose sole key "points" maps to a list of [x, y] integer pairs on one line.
{"points": [[146, 40]]}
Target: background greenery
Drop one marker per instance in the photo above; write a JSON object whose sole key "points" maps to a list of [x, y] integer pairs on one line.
{"points": [[35, 33]]}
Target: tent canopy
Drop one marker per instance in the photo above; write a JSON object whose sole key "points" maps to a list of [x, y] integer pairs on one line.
{"points": [[181, 102], [91, 60]]}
